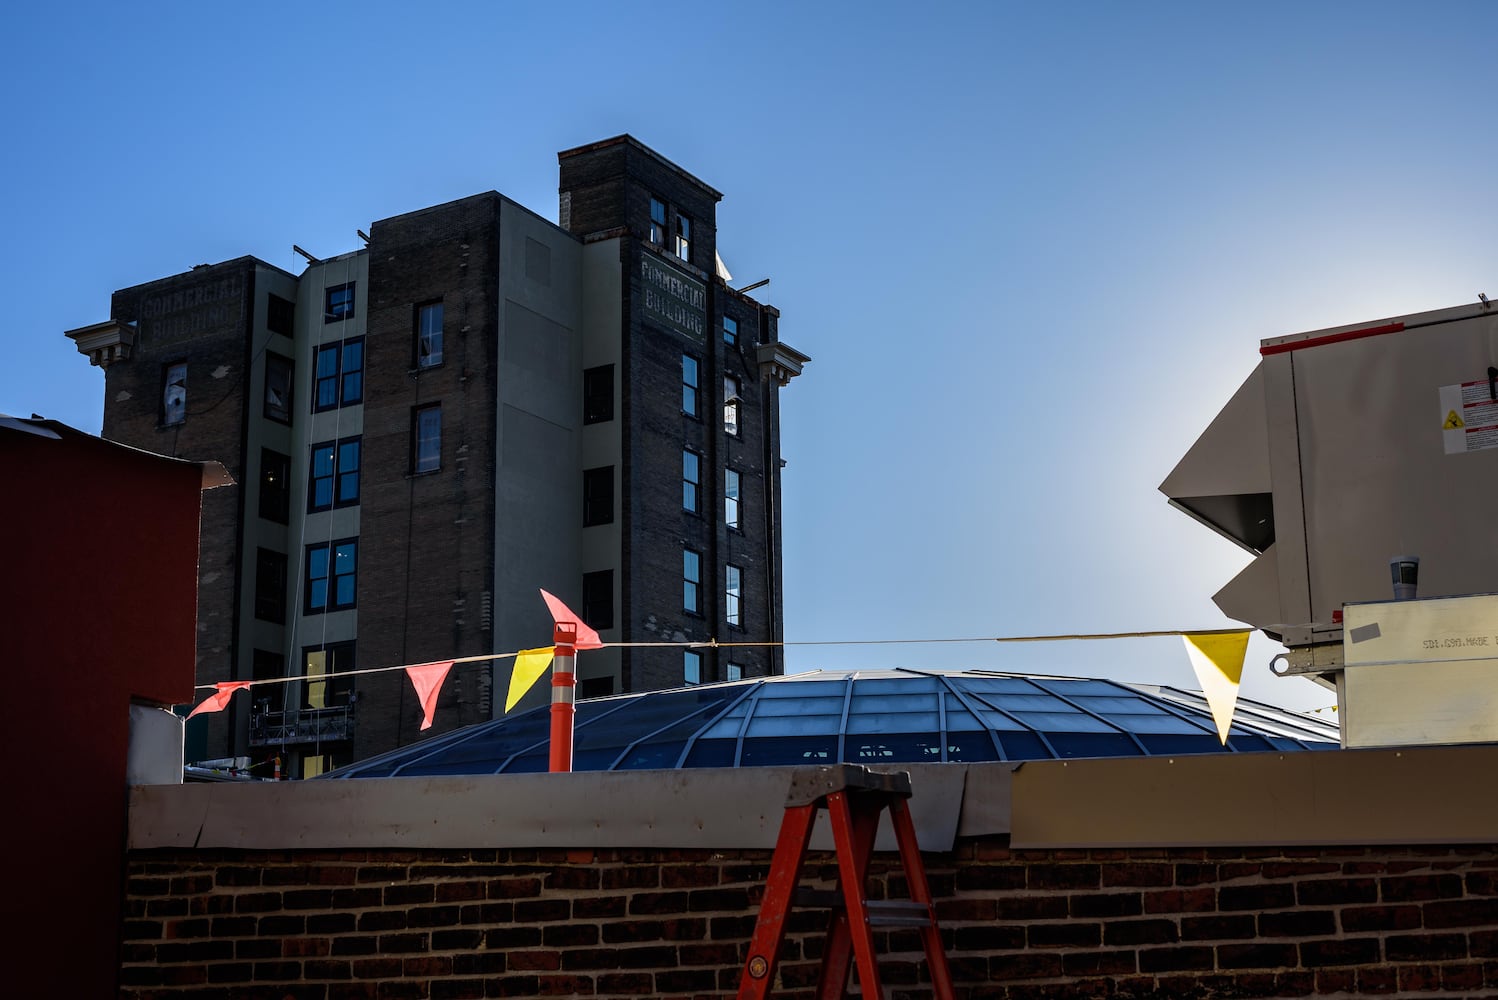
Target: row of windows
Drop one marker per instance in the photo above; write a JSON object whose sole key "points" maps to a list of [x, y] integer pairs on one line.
{"points": [[690, 391], [691, 591], [329, 580], [691, 668], [681, 244], [339, 365], [598, 492], [333, 474], [327, 660]]}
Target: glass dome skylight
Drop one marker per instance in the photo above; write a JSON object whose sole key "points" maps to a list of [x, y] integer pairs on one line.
{"points": [[865, 717]]}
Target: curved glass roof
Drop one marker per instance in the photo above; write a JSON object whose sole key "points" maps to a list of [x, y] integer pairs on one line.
{"points": [[865, 717]]}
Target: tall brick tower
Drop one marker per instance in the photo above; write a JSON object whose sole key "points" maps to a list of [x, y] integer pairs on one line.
{"points": [[426, 431]]}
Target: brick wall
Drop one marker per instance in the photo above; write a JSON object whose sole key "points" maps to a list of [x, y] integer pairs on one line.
{"points": [[675, 923], [427, 541]]}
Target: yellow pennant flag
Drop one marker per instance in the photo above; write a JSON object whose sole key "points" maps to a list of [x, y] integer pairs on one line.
{"points": [[1217, 658], [530, 664]]}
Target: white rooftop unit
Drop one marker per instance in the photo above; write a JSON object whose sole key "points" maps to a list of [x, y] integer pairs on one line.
{"points": [[1344, 450]]}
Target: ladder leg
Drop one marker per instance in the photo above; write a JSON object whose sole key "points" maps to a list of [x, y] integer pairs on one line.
{"points": [[769, 930], [837, 957], [854, 824], [920, 891]]}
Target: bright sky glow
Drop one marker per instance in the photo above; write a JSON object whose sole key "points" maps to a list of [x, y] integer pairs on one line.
{"points": [[1031, 248]]}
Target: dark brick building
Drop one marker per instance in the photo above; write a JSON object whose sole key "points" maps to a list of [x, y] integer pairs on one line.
{"points": [[425, 432]]}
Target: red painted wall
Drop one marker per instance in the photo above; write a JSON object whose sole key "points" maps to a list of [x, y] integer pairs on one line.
{"points": [[99, 591]]}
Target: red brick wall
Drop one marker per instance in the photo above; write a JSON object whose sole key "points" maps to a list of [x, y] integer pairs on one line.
{"points": [[675, 923]]}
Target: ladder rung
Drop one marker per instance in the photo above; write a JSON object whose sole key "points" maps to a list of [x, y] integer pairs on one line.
{"points": [[898, 913], [882, 912]]}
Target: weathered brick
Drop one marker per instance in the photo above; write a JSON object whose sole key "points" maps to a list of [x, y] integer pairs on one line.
{"points": [[1356, 951], [1121, 933], [1218, 928], [1175, 959], [1298, 923]]}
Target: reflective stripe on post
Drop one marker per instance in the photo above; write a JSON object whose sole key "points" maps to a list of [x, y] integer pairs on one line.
{"points": [[563, 691]]}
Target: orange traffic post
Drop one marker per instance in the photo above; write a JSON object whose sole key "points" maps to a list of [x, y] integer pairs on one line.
{"points": [[563, 694]]}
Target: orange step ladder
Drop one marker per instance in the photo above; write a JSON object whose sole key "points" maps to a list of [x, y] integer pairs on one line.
{"points": [[854, 798]]}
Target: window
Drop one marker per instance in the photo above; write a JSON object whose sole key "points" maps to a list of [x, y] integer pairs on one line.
{"points": [[280, 315], [270, 586], [691, 578], [731, 498], [277, 388], [691, 666], [331, 574], [598, 394], [340, 375], [735, 672], [429, 335], [657, 222], [598, 599], [426, 438], [334, 481], [598, 496], [730, 330], [268, 666], [683, 237], [338, 303], [174, 394], [275, 486], [733, 595], [691, 480], [730, 404], [326, 661], [689, 385]]}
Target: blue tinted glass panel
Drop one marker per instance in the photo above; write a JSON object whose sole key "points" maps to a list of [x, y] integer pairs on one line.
{"points": [[1075, 689], [1117, 706], [590, 760], [894, 722], [1156, 724], [794, 725], [960, 719], [488, 748], [1027, 702], [797, 690], [899, 686], [970, 746], [802, 706], [1000, 722], [1165, 743], [327, 361], [1248, 744], [994, 685], [712, 753], [894, 748], [1093, 745], [531, 763], [914, 702], [1065, 722], [724, 729], [656, 756], [1024, 746], [769, 752]]}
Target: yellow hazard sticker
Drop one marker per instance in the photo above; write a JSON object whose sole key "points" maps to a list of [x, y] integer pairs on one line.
{"points": [[1453, 422]]}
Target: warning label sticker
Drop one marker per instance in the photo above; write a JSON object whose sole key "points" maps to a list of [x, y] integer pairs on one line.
{"points": [[1469, 417]]}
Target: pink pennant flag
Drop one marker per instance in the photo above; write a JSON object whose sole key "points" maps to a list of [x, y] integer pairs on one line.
{"points": [[216, 701], [587, 638], [427, 678]]}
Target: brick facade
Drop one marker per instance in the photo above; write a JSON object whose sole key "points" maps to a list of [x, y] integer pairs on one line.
{"points": [[427, 541], [1018, 924]]}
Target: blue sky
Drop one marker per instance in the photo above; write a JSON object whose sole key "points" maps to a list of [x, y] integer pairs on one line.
{"points": [[1031, 249]]}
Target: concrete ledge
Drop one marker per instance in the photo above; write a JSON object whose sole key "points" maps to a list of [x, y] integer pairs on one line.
{"points": [[704, 808]]}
